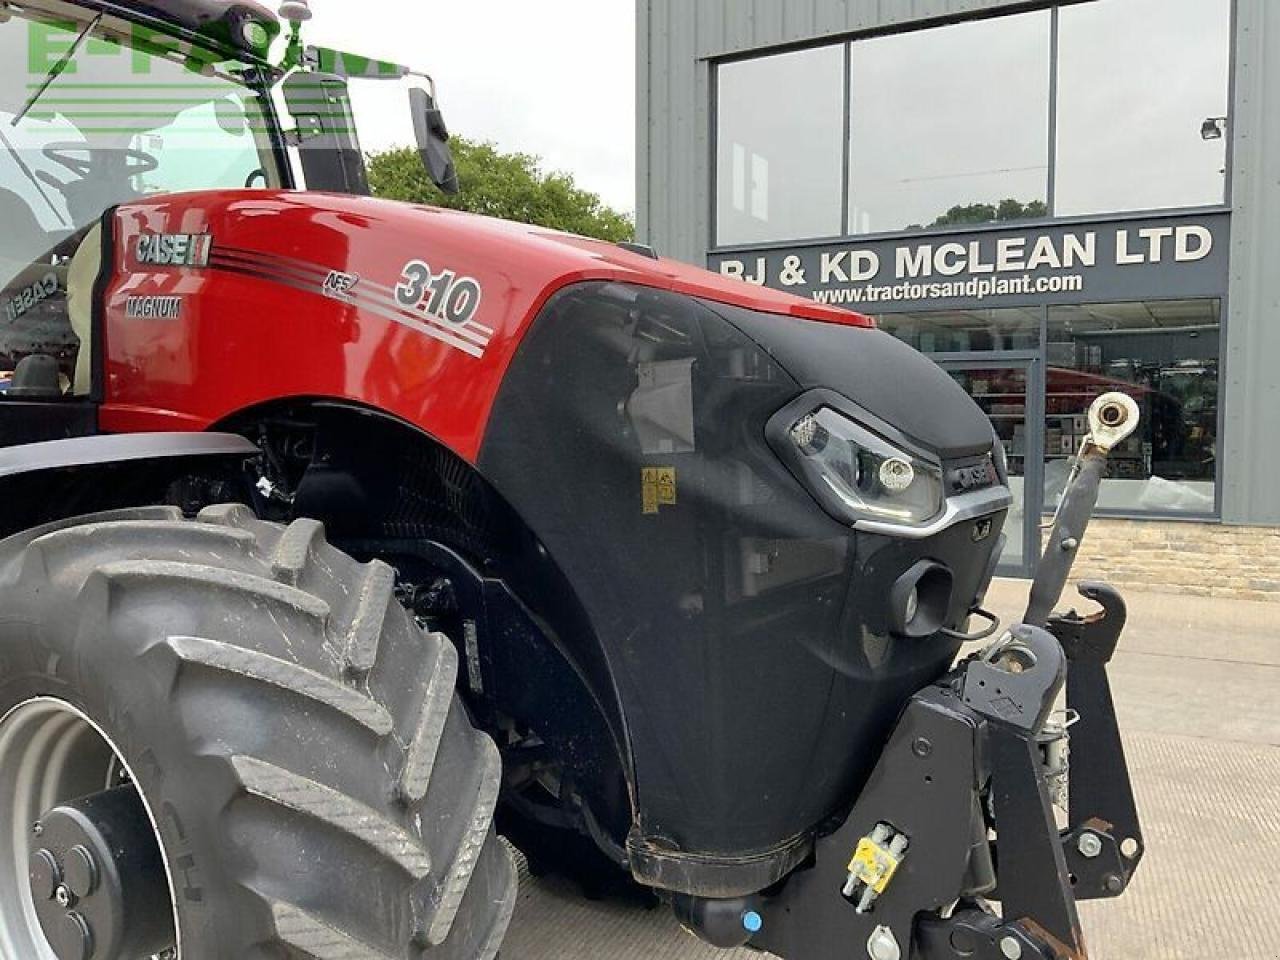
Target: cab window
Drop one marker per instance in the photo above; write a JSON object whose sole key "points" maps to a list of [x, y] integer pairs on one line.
{"points": [[95, 112]]}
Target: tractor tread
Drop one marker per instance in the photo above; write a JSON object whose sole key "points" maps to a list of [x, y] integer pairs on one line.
{"points": [[476, 834], [420, 756], [377, 593], [293, 714], [258, 588], [70, 536], [302, 795], [294, 550], [228, 515], [129, 515], [510, 884], [275, 672], [314, 938]]}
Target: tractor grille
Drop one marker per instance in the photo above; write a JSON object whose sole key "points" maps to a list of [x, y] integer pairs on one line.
{"points": [[439, 497]]}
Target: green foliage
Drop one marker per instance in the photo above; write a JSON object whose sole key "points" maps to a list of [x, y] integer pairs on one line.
{"points": [[507, 185], [1008, 209]]}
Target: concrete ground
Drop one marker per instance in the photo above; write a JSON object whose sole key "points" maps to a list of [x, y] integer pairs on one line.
{"points": [[1197, 687]]}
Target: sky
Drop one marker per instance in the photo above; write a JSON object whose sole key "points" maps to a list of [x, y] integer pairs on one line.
{"points": [[555, 78]]}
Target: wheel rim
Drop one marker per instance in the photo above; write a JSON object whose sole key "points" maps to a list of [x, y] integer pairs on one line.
{"points": [[51, 753]]}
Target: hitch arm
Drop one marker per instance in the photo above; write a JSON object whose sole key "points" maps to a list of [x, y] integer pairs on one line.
{"points": [[1112, 418], [1104, 844]]}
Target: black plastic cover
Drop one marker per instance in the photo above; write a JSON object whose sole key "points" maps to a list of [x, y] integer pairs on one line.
{"points": [[883, 375], [747, 631], [210, 23]]}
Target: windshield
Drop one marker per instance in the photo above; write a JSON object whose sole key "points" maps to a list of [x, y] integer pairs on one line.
{"points": [[95, 112]]}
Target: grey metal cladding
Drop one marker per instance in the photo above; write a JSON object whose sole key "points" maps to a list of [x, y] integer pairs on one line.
{"points": [[1251, 367], [678, 39]]}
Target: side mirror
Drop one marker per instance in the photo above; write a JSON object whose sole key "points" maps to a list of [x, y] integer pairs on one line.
{"points": [[433, 140], [320, 105]]}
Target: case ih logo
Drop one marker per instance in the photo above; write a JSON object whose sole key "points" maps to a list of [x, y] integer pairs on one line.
{"points": [[174, 249], [974, 477]]}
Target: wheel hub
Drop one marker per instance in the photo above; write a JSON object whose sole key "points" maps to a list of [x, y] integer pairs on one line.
{"points": [[83, 875], [98, 880]]}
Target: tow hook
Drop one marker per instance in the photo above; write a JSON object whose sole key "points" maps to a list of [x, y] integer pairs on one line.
{"points": [[98, 883]]}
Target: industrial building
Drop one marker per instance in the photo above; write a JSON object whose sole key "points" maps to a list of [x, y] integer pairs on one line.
{"points": [[1051, 200]]}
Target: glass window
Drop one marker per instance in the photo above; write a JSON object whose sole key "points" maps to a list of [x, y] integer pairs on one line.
{"points": [[960, 331], [950, 125], [1142, 87], [124, 119], [1002, 393], [780, 160], [1165, 355]]}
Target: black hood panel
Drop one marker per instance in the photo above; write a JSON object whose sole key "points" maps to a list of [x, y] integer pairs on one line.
{"points": [[746, 631], [877, 372]]}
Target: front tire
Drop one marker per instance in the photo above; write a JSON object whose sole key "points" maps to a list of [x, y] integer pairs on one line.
{"points": [[315, 785]]}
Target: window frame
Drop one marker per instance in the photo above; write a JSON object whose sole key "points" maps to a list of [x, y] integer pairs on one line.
{"points": [[1214, 516], [259, 81], [849, 41], [713, 142], [1228, 160], [1038, 357], [1050, 18]]}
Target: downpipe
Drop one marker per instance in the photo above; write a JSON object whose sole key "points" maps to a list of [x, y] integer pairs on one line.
{"points": [[960, 809]]}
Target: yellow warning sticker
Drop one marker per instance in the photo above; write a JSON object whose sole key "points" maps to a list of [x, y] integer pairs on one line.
{"points": [[657, 488]]}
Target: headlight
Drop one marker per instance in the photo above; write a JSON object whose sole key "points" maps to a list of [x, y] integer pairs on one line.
{"points": [[861, 474]]}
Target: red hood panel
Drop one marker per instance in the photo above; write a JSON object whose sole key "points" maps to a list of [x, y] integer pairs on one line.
{"points": [[223, 301]]}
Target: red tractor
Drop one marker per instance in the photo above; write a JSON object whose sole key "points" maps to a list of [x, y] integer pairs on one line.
{"points": [[338, 528]]}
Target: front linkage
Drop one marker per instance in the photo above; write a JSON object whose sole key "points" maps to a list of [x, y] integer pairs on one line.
{"points": [[960, 809]]}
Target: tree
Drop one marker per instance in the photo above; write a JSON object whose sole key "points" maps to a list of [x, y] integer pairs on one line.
{"points": [[1008, 210], [507, 185]]}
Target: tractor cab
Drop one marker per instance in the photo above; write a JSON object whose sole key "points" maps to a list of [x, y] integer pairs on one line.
{"points": [[106, 103]]}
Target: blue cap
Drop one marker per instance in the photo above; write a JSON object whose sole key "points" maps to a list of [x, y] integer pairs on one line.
{"points": [[752, 922]]}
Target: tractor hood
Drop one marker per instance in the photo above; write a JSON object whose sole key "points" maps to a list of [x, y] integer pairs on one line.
{"points": [[741, 489], [437, 301], [881, 374], [648, 439]]}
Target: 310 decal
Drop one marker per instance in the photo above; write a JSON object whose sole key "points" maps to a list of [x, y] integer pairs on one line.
{"points": [[443, 295]]}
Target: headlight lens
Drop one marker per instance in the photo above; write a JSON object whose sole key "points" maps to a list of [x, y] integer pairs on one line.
{"points": [[869, 476]]}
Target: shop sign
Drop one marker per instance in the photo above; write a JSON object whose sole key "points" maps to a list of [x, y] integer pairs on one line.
{"points": [[1157, 258]]}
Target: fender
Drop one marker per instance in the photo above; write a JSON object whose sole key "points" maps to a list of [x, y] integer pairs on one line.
{"points": [[43, 482]]}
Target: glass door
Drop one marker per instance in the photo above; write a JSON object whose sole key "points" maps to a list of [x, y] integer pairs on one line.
{"points": [[1009, 395]]}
